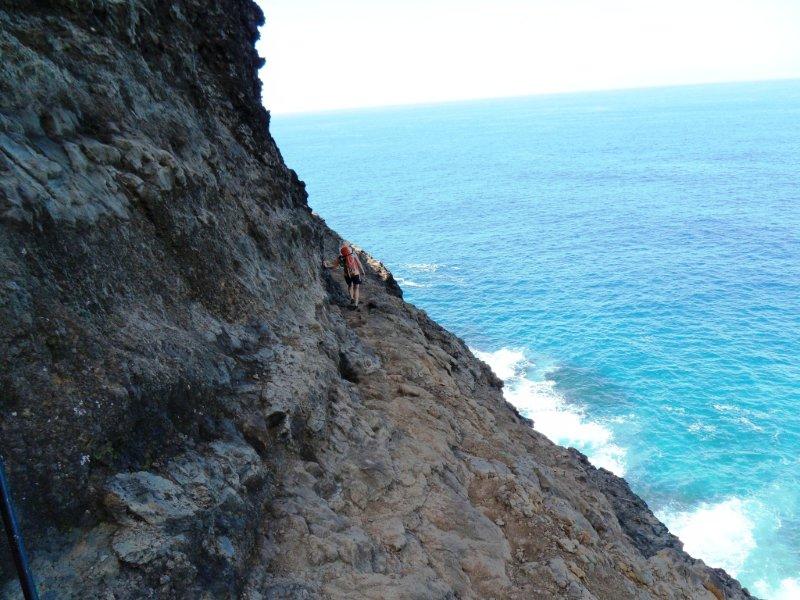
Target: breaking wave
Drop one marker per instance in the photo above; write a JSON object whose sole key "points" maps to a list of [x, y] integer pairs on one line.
{"points": [[563, 422], [721, 534]]}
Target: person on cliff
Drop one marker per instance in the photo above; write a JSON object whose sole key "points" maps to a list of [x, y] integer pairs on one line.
{"points": [[353, 270]]}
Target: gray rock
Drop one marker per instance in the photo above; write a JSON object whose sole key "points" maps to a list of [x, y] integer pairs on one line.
{"points": [[148, 497], [140, 545]]}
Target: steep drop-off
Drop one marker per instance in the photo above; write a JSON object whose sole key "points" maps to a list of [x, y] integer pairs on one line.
{"points": [[189, 411]]}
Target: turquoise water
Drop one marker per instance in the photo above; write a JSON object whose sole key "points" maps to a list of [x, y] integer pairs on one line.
{"points": [[629, 262]]}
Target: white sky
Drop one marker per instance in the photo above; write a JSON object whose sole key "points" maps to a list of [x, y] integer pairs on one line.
{"points": [[331, 54]]}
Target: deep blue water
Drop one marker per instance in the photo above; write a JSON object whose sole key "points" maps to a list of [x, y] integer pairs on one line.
{"points": [[628, 261]]}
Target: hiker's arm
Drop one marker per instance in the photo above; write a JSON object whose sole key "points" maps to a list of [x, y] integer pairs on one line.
{"points": [[360, 266]]}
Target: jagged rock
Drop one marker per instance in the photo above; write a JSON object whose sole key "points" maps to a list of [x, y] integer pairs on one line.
{"points": [[148, 497], [140, 545], [391, 532], [189, 411]]}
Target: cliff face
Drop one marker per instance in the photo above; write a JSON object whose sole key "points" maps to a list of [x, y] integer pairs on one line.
{"points": [[188, 410]]}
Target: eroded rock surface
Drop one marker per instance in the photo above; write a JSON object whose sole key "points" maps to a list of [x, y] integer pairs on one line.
{"points": [[188, 408]]}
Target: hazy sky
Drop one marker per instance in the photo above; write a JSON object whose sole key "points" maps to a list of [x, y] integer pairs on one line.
{"points": [[326, 54]]}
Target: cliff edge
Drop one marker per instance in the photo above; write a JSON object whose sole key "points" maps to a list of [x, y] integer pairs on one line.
{"points": [[187, 408]]}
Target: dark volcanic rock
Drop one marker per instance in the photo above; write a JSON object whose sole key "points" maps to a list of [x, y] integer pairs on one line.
{"points": [[188, 411]]}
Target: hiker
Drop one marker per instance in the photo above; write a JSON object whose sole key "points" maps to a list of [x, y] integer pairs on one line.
{"points": [[353, 270]]}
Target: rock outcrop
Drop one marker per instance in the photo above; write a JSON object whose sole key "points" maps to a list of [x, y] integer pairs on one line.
{"points": [[188, 410]]}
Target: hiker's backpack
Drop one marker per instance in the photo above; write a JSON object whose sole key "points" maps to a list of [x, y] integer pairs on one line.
{"points": [[348, 260]]}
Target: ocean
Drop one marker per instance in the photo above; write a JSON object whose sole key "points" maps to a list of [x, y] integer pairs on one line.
{"points": [[628, 262]]}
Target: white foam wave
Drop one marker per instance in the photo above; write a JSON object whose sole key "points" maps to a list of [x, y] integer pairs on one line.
{"points": [[743, 417], [562, 422], [787, 589], [506, 362], [410, 283], [702, 428], [423, 267], [721, 534], [750, 425]]}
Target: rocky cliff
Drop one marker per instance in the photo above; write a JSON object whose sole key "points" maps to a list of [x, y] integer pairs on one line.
{"points": [[189, 411]]}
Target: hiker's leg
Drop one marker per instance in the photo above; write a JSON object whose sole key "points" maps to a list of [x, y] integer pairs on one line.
{"points": [[350, 291], [357, 290]]}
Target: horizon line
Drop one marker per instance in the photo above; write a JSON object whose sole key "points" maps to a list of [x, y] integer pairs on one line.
{"points": [[425, 103]]}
